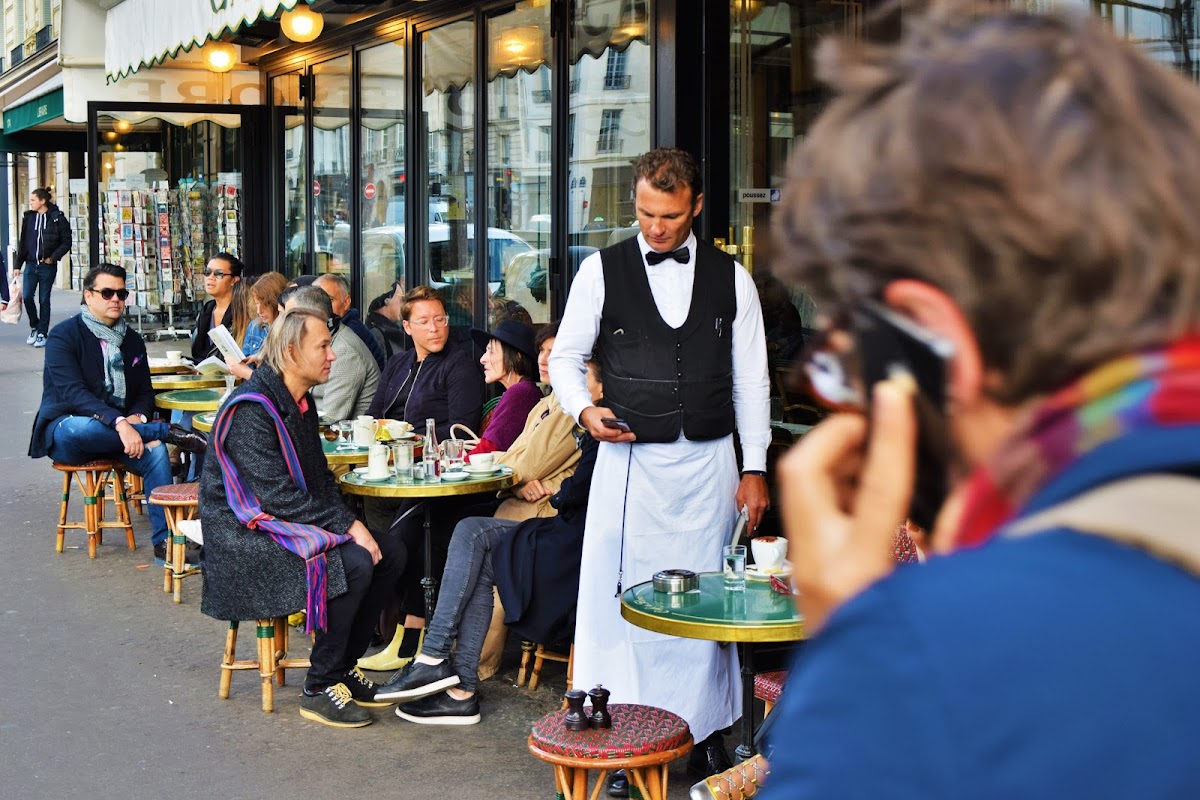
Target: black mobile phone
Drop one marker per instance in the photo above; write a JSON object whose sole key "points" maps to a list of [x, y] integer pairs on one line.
{"points": [[887, 344], [613, 422]]}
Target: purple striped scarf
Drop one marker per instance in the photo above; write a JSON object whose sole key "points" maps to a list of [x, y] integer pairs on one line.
{"points": [[310, 542]]}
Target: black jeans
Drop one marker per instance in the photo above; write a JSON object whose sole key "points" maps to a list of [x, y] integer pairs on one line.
{"points": [[352, 615], [39, 278], [4, 295]]}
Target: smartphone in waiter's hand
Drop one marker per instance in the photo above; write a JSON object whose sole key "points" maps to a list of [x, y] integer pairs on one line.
{"points": [[888, 344], [615, 424]]}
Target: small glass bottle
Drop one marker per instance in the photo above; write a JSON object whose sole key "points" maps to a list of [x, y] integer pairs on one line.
{"points": [[429, 455]]}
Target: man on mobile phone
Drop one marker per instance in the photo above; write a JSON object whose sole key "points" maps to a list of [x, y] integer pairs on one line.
{"points": [[45, 238], [677, 326], [1018, 185]]}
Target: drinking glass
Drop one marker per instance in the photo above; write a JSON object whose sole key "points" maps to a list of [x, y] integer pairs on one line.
{"points": [[453, 449], [402, 461], [344, 429], [734, 565]]}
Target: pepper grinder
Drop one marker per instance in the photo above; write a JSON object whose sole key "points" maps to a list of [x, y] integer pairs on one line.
{"points": [[600, 716], [576, 720]]}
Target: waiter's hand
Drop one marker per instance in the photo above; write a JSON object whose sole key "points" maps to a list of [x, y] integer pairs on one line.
{"points": [[590, 419], [841, 507], [752, 493], [363, 538]]}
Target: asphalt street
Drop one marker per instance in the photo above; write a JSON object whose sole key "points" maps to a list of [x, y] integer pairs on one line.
{"points": [[110, 690]]}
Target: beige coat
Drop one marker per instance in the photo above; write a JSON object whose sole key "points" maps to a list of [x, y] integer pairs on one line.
{"points": [[545, 451]]}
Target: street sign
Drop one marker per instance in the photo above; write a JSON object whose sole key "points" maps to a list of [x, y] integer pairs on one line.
{"points": [[369, 191], [316, 188]]}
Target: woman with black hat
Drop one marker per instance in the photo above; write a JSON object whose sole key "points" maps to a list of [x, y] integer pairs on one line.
{"points": [[510, 359]]}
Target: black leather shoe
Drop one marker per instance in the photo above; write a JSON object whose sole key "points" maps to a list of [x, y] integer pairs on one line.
{"points": [[618, 784], [708, 758], [418, 680], [191, 441], [441, 709]]}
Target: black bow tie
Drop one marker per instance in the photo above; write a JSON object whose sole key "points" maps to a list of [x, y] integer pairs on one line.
{"points": [[653, 257]]}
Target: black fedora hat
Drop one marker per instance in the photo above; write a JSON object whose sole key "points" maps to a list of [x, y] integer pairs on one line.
{"points": [[516, 335]]}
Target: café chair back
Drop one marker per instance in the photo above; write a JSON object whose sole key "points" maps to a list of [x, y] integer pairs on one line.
{"points": [[643, 741], [93, 480]]}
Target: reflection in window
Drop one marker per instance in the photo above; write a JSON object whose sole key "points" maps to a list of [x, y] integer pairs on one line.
{"points": [[383, 176]]}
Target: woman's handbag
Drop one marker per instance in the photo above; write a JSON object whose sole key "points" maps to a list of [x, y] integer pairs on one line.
{"points": [[12, 314], [469, 438]]}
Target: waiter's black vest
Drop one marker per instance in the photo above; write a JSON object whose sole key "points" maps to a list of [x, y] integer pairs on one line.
{"points": [[658, 379]]}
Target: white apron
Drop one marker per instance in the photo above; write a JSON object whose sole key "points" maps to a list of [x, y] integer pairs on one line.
{"points": [[680, 511]]}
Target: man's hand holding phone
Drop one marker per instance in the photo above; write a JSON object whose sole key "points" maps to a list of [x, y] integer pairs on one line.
{"points": [[593, 418], [843, 491]]}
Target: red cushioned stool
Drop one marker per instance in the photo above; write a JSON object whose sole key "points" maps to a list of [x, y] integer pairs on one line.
{"points": [[768, 686], [178, 501], [643, 740]]}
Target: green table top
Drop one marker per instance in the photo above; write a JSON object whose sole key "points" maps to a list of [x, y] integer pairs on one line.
{"points": [[190, 399], [353, 483], [759, 614], [204, 422]]}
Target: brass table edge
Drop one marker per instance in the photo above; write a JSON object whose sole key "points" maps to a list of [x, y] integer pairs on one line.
{"points": [[711, 631], [423, 490], [187, 405]]}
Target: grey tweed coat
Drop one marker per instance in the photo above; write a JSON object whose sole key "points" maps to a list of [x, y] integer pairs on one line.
{"points": [[246, 574]]}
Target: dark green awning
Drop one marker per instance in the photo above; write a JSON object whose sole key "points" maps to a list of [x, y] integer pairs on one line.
{"points": [[34, 112]]}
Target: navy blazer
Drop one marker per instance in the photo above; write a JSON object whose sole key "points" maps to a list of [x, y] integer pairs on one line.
{"points": [[73, 381]]}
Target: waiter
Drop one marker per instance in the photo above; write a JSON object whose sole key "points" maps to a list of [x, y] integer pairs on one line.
{"points": [[677, 328]]}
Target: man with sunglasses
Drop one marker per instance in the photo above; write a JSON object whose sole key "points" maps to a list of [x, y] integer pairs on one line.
{"points": [[97, 398]]}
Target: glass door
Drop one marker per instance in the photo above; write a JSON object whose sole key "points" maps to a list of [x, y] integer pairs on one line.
{"points": [[288, 110], [382, 196], [331, 166]]}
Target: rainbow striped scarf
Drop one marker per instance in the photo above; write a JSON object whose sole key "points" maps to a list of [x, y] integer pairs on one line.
{"points": [[1151, 389], [310, 542]]}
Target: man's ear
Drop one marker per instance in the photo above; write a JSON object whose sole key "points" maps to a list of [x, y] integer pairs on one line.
{"points": [[933, 309]]}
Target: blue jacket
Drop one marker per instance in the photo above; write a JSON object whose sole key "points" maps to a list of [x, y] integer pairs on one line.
{"points": [[1060, 665], [73, 381], [448, 388]]}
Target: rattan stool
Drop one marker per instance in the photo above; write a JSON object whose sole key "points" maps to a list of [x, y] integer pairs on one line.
{"points": [[136, 489], [643, 740], [271, 662], [178, 501], [93, 479], [538, 654]]}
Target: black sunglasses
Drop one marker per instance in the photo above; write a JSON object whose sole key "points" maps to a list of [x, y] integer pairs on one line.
{"points": [[107, 294], [216, 273]]}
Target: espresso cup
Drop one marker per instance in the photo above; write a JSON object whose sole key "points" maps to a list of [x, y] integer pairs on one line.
{"points": [[174, 357], [484, 460], [769, 552], [364, 431]]}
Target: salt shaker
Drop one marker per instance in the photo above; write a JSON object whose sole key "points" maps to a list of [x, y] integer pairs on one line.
{"points": [[576, 719]]}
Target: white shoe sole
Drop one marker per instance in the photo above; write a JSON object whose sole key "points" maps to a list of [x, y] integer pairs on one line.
{"points": [[420, 691], [452, 720]]}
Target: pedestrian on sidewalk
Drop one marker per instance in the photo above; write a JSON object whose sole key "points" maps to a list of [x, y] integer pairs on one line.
{"points": [[45, 238]]}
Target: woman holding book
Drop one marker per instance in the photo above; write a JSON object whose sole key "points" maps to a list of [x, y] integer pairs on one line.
{"points": [[228, 306]]}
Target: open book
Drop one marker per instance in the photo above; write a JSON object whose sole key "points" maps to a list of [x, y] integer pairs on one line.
{"points": [[213, 365], [223, 339]]}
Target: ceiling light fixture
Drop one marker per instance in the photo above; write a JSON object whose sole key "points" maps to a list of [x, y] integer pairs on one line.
{"points": [[301, 24], [220, 56]]}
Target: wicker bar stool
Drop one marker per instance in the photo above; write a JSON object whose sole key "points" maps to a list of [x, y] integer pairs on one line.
{"points": [[179, 501], [270, 662], [135, 488], [643, 741], [538, 654], [93, 479]]}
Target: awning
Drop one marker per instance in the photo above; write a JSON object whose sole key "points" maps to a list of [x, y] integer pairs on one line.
{"points": [[142, 33], [163, 85], [33, 112]]}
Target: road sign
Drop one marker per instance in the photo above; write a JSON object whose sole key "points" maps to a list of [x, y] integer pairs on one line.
{"points": [[369, 191], [316, 188]]}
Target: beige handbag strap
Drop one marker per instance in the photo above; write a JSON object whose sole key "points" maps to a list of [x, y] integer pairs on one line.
{"points": [[1156, 513], [470, 437]]}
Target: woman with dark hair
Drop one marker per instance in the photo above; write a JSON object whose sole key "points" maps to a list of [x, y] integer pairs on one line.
{"points": [[510, 359], [223, 283]]}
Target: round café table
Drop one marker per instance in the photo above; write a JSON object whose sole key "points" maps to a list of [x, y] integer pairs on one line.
{"points": [[160, 366], [191, 399], [203, 422], [353, 483], [752, 618], [162, 383], [345, 454]]}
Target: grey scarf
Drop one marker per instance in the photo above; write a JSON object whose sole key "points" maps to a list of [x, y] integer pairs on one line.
{"points": [[114, 361]]}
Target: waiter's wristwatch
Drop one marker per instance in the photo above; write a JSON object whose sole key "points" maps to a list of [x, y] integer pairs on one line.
{"points": [[759, 472]]}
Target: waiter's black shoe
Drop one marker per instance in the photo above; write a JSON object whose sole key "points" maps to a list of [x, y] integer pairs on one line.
{"points": [[191, 441], [618, 785], [708, 757]]}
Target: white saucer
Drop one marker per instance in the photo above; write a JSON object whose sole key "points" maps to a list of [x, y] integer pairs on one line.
{"points": [[454, 476], [474, 470], [754, 573]]}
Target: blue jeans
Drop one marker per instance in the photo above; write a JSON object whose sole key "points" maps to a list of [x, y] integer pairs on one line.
{"points": [[38, 278], [464, 605], [78, 440]]}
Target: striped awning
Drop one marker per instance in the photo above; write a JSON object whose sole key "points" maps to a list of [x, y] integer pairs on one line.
{"points": [[142, 33]]}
